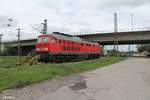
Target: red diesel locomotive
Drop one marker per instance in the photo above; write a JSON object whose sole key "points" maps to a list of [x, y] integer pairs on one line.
{"points": [[59, 47]]}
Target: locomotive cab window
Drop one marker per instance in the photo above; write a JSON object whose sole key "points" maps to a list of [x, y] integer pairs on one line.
{"points": [[45, 39], [39, 39]]}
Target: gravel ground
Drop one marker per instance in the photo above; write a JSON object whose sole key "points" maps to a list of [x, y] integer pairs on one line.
{"points": [[126, 80]]}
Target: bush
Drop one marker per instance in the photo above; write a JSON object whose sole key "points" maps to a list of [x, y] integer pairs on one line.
{"points": [[143, 48]]}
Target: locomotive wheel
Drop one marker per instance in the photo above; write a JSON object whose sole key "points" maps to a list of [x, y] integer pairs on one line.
{"points": [[59, 59]]}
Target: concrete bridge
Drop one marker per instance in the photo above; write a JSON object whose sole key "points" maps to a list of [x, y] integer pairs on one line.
{"points": [[26, 46], [135, 37]]}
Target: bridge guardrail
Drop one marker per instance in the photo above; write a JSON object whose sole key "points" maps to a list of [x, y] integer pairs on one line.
{"points": [[111, 31]]}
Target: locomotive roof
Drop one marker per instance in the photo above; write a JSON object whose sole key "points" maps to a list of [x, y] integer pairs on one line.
{"points": [[69, 37]]}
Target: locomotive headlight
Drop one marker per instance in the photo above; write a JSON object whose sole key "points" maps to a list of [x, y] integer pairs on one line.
{"points": [[37, 48], [42, 49], [45, 48]]}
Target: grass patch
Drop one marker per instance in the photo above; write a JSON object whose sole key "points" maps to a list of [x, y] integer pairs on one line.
{"points": [[19, 76], [9, 61]]}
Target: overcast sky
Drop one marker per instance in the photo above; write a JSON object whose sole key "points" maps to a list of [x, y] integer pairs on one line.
{"points": [[71, 15]]}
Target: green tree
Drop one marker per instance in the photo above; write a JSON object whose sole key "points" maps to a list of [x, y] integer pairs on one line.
{"points": [[143, 48], [148, 48], [9, 51]]}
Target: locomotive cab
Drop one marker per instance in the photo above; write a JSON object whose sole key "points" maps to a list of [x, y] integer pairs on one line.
{"points": [[44, 43], [44, 46]]}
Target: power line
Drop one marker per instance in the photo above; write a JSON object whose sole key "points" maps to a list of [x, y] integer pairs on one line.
{"points": [[44, 30], [35, 28]]}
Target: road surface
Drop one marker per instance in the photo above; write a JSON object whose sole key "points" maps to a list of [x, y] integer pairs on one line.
{"points": [[126, 80]]}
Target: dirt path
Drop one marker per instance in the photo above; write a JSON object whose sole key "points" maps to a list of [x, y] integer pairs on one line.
{"points": [[127, 80]]}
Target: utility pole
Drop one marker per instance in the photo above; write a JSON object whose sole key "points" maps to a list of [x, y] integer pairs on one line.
{"points": [[115, 33], [132, 22], [129, 49], [45, 26], [18, 35], [1, 42]]}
